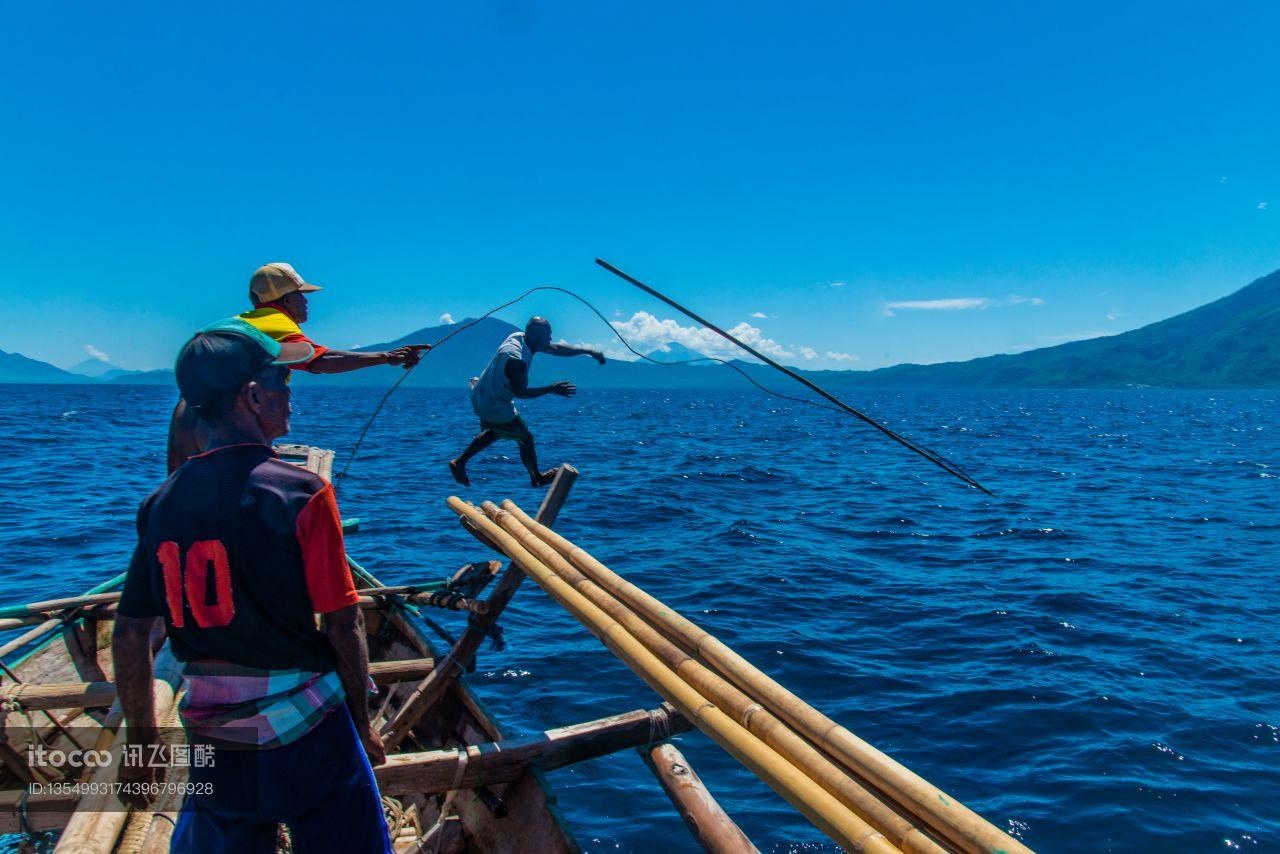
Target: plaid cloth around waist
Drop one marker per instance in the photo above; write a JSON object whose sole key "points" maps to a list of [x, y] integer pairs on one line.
{"points": [[255, 708]]}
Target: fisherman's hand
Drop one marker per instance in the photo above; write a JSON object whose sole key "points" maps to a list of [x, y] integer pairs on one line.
{"points": [[564, 388], [406, 357], [373, 746], [598, 356], [138, 778]]}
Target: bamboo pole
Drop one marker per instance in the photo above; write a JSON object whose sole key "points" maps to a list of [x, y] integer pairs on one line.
{"points": [[745, 710], [87, 600], [706, 820], [98, 820], [50, 625], [98, 612], [818, 805], [943, 814], [429, 691]]}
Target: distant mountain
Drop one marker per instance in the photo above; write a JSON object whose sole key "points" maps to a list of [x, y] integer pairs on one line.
{"points": [[99, 369], [1229, 343], [161, 376], [17, 368], [675, 353]]}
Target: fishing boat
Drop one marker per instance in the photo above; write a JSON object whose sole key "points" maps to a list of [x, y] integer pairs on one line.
{"points": [[453, 782]]}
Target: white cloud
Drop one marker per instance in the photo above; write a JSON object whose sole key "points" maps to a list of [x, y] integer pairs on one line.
{"points": [[838, 284], [957, 304], [1222, 180], [841, 357], [1111, 315], [646, 332], [1262, 206], [808, 352], [95, 353], [759, 315], [447, 318]]}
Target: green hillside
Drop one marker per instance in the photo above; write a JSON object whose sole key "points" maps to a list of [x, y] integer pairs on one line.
{"points": [[1229, 343]]}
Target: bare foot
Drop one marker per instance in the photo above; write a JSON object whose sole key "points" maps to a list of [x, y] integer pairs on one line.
{"points": [[459, 472], [545, 478]]}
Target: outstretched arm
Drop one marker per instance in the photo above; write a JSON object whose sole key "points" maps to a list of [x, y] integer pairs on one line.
{"points": [[518, 374], [341, 361], [570, 350]]}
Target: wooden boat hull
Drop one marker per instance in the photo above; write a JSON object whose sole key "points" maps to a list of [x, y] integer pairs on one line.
{"points": [[508, 817]]}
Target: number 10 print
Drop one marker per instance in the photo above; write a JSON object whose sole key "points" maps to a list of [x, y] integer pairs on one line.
{"points": [[205, 585]]}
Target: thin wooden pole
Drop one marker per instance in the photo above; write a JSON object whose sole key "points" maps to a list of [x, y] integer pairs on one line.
{"points": [[814, 802], [941, 813], [92, 695], [850, 790], [104, 604], [434, 686], [706, 820]]}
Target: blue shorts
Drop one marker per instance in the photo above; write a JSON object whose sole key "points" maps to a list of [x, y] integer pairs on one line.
{"points": [[321, 786]]}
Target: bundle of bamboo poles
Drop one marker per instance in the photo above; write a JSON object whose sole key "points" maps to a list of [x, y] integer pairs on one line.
{"points": [[857, 795]]}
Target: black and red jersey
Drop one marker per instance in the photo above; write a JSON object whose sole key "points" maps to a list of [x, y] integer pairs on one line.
{"points": [[239, 551]]}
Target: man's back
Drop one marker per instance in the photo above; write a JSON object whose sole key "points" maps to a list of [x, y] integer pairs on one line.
{"points": [[492, 396], [239, 555]]}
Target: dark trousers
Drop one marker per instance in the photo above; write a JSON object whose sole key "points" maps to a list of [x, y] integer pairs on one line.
{"points": [[321, 786]]}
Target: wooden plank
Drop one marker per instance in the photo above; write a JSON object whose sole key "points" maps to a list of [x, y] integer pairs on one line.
{"points": [[433, 687], [505, 761], [706, 820]]}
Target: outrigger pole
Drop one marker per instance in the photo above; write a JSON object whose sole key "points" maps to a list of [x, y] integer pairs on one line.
{"points": [[932, 456]]}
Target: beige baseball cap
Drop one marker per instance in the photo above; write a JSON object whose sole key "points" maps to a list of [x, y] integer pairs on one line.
{"points": [[274, 280]]}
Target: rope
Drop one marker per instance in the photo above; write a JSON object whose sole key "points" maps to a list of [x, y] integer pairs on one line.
{"points": [[445, 805], [659, 728]]}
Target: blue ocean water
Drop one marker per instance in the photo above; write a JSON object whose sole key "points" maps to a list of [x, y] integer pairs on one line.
{"points": [[1089, 659]]}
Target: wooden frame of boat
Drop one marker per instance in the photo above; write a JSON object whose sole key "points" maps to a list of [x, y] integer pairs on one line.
{"points": [[453, 782]]}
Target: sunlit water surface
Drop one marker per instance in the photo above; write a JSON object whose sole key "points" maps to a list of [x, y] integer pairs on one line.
{"points": [[1089, 659]]}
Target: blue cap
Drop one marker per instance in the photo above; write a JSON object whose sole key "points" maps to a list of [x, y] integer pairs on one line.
{"points": [[224, 356]]}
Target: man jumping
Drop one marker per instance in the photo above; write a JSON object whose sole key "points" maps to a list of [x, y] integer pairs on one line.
{"points": [[493, 396]]}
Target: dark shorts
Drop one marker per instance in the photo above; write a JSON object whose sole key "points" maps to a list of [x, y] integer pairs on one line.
{"points": [[515, 429], [321, 786]]}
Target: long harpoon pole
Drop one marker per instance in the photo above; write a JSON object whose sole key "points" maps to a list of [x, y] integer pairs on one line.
{"points": [[932, 456]]}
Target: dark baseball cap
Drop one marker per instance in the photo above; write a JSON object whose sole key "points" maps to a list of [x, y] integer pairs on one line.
{"points": [[224, 356]]}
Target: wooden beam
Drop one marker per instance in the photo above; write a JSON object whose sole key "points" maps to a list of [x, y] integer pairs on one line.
{"points": [[707, 821], [434, 686], [504, 761]]}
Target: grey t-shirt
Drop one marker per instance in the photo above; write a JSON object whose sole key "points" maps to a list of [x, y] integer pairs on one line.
{"points": [[491, 394]]}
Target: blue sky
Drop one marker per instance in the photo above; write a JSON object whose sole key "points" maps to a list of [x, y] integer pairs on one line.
{"points": [[859, 185]]}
